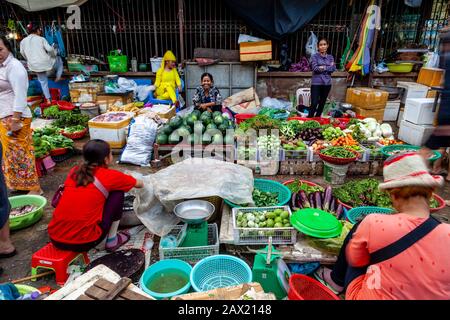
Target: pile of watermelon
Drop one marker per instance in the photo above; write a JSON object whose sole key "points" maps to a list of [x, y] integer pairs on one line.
{"points": [[197, 128]]}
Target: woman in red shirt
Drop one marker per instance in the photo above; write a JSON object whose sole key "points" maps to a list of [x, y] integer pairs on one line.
{"points": [[402, 256], [90, 208]]}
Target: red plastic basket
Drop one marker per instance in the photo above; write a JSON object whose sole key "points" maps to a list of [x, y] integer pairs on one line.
{"points": [[309, 183], [322, 121], [64, 105], [75, 135], [302, 287], [339, 161], [243, 116], [344, 121], [58, 151]]}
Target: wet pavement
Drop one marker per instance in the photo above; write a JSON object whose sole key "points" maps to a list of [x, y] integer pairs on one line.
{"points": [[29, 240]]}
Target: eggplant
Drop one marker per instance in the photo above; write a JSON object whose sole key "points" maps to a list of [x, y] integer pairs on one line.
{"points": [[327, 198], [304, 199], [298, 201], [340, 211], [293, 200], [318, 199], [311, 200], [332, 207]]}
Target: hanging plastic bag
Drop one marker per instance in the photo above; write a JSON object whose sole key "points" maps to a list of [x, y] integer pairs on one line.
{"points": [[432, 60], [311, 45]]}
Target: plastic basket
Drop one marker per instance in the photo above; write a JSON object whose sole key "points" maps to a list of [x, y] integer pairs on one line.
{"points": [[250, 236], [284, 194], [75, 135], [309, 183], [302, 287], [63, 157], [404, 147], [64, 105], [243, 116], [16, 223], [338, 161], [218, 272], [58, 152], [192, 255], [355, 214]]}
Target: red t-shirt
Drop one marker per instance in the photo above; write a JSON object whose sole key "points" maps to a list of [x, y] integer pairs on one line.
{"points": [[79, 212]]}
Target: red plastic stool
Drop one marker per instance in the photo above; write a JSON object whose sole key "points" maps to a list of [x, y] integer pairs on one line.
{"points": [[55, 93], [49, 257]]}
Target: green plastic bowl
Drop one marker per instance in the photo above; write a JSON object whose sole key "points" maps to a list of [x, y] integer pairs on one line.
{"points": [[30, 218], [316, 223], [404, 67], [386, 149], [284, 194]]}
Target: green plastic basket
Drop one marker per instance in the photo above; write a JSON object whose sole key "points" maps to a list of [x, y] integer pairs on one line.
{"points": [[284, 194], [387, 149], [28, 219], [355, 213]]}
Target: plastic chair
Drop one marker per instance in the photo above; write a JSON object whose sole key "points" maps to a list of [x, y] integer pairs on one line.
{"points": [[152, 99], [49, 257], [305, 93]]}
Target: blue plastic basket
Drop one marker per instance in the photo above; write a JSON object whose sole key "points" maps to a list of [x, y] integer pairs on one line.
{"points": [[284, 194], [218, 272], [355, 213]]}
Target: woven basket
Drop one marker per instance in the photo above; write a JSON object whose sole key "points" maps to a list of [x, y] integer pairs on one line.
{"points": [[75, 135]]}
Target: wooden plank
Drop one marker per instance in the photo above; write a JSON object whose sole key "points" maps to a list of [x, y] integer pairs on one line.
{"points": [[95, 292], [84, 297], [126, 294], [118, 287]]}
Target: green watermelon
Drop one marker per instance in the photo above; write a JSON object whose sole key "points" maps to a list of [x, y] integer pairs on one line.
{"points": [[175, 122], [197, 113], [216, 114], [217, 138], [166, 129], [223, 127], [183, 131], [162, 138], [174, 137], [211, 126], [206, 138], [191, 120], [205, 115], [199, 127], [218, 120]]}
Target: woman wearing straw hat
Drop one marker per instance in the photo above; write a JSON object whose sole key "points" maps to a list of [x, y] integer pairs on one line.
{"points": [[403, 256]]}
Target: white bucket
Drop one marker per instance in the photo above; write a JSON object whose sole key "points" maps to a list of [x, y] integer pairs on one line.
{"points": [[156, 63], [335, 174]]}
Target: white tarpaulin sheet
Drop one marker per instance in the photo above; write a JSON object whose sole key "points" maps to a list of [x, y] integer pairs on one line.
{"points": [[38, 5]]}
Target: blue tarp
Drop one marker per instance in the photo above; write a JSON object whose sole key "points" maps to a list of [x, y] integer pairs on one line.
{"points": [[276, 18]]}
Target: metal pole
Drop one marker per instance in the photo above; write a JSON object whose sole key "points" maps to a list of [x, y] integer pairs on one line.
{"points": [[154, 28], [181, 21], [374, 48]]}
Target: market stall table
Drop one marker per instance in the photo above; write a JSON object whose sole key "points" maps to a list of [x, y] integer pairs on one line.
{"points": [[301, 252]]}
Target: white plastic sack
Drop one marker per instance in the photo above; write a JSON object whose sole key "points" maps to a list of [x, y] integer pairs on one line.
{"points": [[142, 92], [432, 60], [140, 141], [276, 103], [247, 38], [311, 45]]}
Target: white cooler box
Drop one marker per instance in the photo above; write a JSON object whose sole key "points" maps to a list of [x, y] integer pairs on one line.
{"points": [[419, 111], [114, 131], [391, 110], [413, 90], [414, 134]]}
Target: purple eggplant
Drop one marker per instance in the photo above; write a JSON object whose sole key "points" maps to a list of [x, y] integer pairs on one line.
{"points": [[304, 199], [340, 211], [327, 198], [293, 200], [311, 200], [332, 207], [298, 201], [318, 199]]}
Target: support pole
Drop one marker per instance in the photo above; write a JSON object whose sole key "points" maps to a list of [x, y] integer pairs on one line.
{"points": [[181, 22], [374, 49]]}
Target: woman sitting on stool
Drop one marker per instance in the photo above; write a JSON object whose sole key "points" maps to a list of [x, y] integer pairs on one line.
{"points": [[207, 96]]}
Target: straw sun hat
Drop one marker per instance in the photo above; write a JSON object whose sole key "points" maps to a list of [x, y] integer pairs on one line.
{"points": [[407, 170]]}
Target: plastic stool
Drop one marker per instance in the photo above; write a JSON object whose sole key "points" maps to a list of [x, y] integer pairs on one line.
{"points": [[49, 257]]}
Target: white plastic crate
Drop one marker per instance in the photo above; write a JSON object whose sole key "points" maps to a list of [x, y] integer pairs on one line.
{"points": [[294, 154], [192, 255], [419, 111], [414, 134], [255, 236], [391, 110], [413, 90]]}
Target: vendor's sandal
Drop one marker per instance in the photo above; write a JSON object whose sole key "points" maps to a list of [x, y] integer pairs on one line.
{"points": [[8, 255], [319, 275], [122, 238]]}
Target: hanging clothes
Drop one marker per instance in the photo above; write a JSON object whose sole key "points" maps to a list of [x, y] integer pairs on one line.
{"points": [[53, 35]]}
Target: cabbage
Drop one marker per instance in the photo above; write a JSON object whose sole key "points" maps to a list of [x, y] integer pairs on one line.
{"points": [[369, 120], [371, 126], [386, 130]]}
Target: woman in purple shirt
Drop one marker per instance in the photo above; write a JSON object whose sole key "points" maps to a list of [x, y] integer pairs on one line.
{"points": [[322, 66]]}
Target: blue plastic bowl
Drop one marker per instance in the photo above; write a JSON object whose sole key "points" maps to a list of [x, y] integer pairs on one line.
{"points": [[184, 267], [219, 271]]}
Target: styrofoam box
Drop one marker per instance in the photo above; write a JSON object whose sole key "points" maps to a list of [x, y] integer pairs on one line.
{"points": [[413, 90], [419, 110], [391, 110], [115, 133], [414, 134], [400, 118]]}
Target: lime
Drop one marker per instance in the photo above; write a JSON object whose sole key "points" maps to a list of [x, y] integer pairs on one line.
{"points": [[278, 219], [287, 225], [269, 223], [278, 211], [285, 221], [271, 215], [284, 215], [278, 225]]}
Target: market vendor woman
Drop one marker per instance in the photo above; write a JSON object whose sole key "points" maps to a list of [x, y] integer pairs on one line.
{"points": [[322, 65], [91, 205], [207, 96], [168, 79]]}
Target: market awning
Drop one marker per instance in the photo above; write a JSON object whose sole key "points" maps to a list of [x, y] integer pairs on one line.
{"points": [[38, 5], [276, 18]]}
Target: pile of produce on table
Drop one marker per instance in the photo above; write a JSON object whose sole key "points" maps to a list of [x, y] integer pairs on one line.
{"points": [[369, 129], [111, 117], [277, 218], [73, 129], [306, 196], [47, 139], [197, 128], [65, 118], [260, 122], [264, 199], [338, 152], [21, 211]]}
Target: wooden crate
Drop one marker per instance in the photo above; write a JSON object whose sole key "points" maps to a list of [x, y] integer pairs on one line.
{"points": [[106, 100], [255, 51], [105, 290], [83, 92]]}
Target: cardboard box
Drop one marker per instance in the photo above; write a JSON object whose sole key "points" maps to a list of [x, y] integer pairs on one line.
{"points": [[82, 92], [431, 77], [367, 98], [378, 114], [106, 100], [255, 51]]}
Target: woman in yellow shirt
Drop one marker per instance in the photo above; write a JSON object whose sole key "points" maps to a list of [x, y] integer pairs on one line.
{"points": [[167, 79]]}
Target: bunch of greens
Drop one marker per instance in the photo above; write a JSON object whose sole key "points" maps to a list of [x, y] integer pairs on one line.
{"points": [[73, 129], [45, 131], [311, 124], [298, 186], [51, 112], [264, 199], [291, 129], [338, 152], [260, 122], [41, 147], [69, 119], [357, 193], [58, 141]]}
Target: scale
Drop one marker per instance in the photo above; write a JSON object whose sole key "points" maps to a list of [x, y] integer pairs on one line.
{"points": [[271, 272], [194, 213]]}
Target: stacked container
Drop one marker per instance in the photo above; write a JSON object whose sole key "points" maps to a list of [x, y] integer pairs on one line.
{"points": [[368, 102], [416, 126]]}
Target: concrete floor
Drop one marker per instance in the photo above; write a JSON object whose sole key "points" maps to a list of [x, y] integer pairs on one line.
{"points": [[29, 240]]}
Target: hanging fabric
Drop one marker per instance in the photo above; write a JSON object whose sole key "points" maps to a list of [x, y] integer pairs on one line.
{"points": [[53, 35]]}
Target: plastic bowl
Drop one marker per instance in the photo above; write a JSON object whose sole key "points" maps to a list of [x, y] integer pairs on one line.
{"points": [[386, 149], [16, 223], [180, 265], [400, 67], [219, 271]]}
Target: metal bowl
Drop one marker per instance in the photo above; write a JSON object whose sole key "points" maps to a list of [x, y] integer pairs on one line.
{"points": [[194, 211]]}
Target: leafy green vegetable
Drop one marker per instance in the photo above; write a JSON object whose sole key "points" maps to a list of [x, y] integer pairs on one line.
{"points": [[338, 152], [298, 186], [364, 192], [69, 119], [74, 129], [264, 199], [260, 122], [51, 112]]}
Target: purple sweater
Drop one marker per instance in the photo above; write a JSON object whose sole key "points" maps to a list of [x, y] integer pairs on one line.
{"points": [[322, 76]]}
